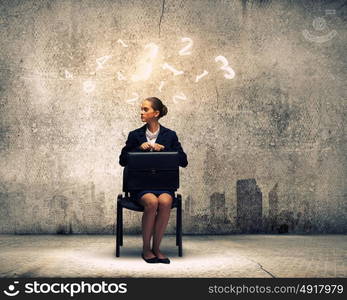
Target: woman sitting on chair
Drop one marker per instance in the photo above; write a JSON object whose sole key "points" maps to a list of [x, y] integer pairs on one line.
{"points": [[157, 203]]}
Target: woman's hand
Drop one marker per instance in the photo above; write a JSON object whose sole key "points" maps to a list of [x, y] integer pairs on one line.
{"points": [[145, 146], [158, 147], [149, 146]]}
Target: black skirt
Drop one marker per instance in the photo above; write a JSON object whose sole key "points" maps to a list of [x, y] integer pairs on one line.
{"points": [[137, 195]]}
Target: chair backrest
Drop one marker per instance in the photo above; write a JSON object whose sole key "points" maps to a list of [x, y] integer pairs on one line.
{"points": [[151, 170]]}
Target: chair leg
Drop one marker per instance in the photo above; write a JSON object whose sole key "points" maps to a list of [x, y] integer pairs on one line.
{"points": [[118, 228], [121, 226], [179, 221], [177, 227]]}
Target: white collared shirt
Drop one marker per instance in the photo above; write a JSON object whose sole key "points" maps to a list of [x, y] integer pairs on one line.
{"points": [[152, 137]]}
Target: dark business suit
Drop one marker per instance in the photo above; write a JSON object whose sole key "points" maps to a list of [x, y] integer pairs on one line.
{"points": [[166, 137]]}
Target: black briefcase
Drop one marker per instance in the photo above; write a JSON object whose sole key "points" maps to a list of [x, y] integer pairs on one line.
{"points": [[151, 170]]}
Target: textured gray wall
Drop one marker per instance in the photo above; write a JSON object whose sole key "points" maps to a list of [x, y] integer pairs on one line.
{"points": [[266, 149]]}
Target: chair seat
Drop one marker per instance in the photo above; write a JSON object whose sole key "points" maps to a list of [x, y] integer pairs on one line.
{"points": [[130, 203]]}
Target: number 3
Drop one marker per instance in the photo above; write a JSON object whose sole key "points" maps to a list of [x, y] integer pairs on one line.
{"points": [[146, 65], [225, 67]]}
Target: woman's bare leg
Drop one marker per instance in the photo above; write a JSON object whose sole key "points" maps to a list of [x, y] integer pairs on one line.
{"points": [[161, 221], [150, 203]]}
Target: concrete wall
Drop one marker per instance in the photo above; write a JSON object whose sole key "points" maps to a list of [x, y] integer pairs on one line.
{"points": [[266, 148]]}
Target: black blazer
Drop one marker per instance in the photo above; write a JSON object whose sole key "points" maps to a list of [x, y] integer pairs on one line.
{"points": [[166, 137]]}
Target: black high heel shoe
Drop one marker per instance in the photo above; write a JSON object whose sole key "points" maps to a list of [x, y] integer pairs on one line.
{"points": [[165, 260], [152, 260]]}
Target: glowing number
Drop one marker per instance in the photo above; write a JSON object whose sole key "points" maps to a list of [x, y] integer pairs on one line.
{"points": [[184, 50], [181, 96], [198, 77], [68, 75], [122, 43], [88, 86], [225, 67], [319, 39], [161, 85], [330, 11], [133, 99], [120, 76], [146, 68], [101, 60], [172, 69]]}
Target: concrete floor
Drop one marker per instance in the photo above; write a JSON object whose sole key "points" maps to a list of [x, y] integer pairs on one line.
{"points": [[204, 256]]}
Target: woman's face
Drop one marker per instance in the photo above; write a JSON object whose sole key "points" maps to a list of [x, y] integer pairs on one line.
{"points": [[147, 112]]}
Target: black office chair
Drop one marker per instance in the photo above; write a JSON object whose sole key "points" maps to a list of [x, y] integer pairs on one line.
{"points": [[126, 201]]}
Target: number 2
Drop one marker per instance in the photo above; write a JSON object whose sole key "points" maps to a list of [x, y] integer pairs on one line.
{"points": [[184, 50]]}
